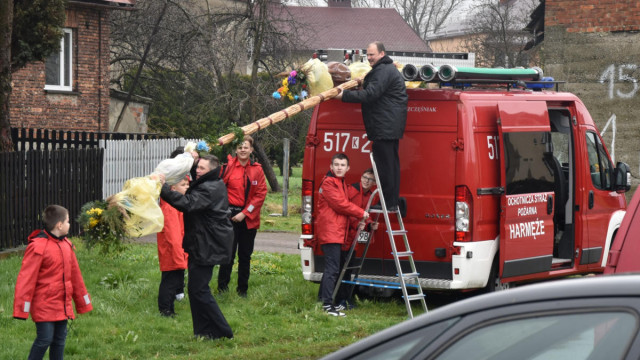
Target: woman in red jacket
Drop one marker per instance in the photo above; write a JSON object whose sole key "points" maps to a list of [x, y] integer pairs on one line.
{"points": [[171, 255], [48, 281], [247, 189]]}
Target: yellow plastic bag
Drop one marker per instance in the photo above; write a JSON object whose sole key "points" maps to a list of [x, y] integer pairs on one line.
{"points": [[139, 197], [359, 69], [318, 76]]}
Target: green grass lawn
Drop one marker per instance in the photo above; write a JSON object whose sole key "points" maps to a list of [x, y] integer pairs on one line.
{"points": [[279, 320], [273, 205]]}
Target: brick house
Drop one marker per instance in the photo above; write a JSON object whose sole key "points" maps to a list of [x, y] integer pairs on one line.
{"points": [[594, 45], [70, 90]]}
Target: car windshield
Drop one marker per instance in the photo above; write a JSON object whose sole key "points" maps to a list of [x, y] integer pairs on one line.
{"points": [[600, 335]]}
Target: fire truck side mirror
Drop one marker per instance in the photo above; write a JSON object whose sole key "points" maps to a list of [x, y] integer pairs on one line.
{"points": [[622, 177]]}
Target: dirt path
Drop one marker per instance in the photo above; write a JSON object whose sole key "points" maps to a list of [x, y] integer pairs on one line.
{"points": [[275, 242]]}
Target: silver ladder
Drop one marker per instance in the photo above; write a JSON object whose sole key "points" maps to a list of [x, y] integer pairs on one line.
{"points": [[405, 280]]}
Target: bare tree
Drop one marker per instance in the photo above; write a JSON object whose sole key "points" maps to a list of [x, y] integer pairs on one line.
{"points": [[426, 16], [498, 36], [194, 70]]}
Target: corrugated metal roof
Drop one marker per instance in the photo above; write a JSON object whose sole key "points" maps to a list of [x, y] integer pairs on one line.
{"points": [[355, 28]]}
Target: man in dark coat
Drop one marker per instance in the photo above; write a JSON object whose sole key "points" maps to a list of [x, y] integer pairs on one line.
{"points": [[208, 236], [384, 110]]}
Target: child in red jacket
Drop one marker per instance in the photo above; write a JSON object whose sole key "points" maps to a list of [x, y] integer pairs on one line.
{"points": [[171, 255], [48, 280], [332, 224]]}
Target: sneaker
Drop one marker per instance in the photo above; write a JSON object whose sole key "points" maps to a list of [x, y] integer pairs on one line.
{"points": [[167, 313], [180, 296], [345, 305], [331, 310]]}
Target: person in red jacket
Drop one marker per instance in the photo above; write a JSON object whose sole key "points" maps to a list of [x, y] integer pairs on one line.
{"points": [[359, 193], [247, 189], [171, 255], [47, 282], [332, 224]]}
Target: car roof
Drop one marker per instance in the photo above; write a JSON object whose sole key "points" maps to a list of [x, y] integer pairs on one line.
{"points": [[586, 287]]}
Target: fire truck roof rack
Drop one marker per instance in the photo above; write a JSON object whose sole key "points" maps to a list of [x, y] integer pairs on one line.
{"points": [[508, 84], [449, 75]]}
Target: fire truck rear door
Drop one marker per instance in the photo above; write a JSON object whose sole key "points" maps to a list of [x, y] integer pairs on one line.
{"points": [[526, 218]]}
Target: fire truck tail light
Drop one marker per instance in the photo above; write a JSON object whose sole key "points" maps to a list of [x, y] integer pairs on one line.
{"points": [[307, 207], [464, 201]]}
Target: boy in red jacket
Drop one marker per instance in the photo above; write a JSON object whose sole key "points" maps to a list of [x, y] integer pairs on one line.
{"points": [[49, 278], [359, 193], [334, 209], [171, 255]]}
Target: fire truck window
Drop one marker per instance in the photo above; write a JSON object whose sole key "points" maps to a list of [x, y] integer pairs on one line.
{"points": [[599, 164], [526, 169], [560, 135]]}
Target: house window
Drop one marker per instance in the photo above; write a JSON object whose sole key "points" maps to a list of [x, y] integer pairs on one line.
{"points": [[58, 66]]}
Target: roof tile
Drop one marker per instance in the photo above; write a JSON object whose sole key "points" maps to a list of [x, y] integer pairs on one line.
{"points": [[355, 28]]}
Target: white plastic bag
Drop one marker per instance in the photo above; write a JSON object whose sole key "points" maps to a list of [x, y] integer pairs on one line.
{"points": [[177, 168]]}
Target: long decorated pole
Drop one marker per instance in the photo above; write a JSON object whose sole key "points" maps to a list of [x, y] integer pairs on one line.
{"points": [[291, 110]]}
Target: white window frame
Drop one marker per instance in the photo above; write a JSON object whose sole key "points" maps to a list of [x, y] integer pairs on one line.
{"points": [[64, 67]]}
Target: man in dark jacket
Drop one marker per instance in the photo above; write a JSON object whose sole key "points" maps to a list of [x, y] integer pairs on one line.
{"points": [[208, 236], [384, 110]]}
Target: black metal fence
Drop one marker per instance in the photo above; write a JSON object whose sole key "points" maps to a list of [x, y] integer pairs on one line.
{"points": [[31, 180], [44, 139]]}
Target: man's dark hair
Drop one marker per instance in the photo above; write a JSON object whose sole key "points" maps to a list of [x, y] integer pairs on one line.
{"points": [[380, 46], [368, 171], [340, 156], [179, 150], [52, 215], [212, 159]]}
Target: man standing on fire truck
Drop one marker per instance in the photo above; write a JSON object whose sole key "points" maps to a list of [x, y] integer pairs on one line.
{"points": [[384, 110]]}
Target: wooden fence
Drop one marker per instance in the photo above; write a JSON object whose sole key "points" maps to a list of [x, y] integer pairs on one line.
{"points": [[31, 180]]}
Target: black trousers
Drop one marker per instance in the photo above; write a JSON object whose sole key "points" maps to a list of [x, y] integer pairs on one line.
{"points": [[332, 254], [343, 291], [243, 242], [171, 283], [385, 154], [207, 318]]}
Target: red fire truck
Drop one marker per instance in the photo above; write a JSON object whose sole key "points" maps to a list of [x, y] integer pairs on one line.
{"points": [[503, 185]]}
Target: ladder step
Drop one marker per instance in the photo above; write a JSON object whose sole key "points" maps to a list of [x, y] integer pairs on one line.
{"points": [[378, 283], [415, 297], [353, 267], [403, 253], [380, 211], [412, 275], [398, 232]]}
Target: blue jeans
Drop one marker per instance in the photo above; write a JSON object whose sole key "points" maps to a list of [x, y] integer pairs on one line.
{"points": [[50, 335]]}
